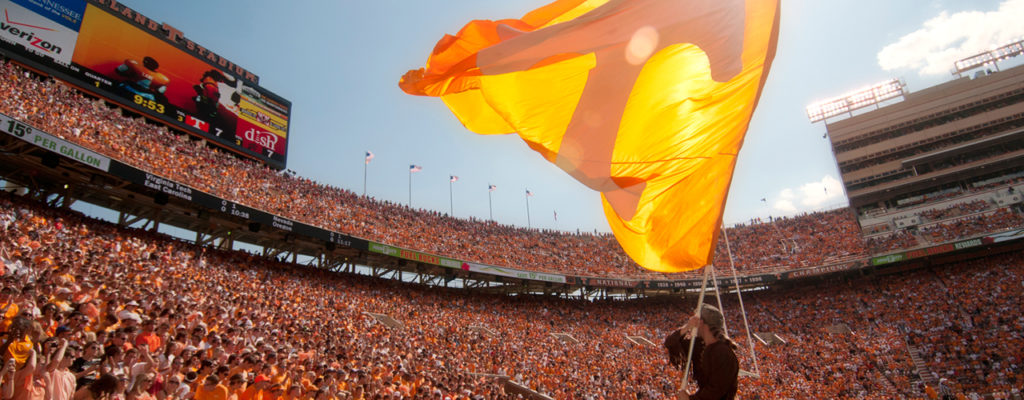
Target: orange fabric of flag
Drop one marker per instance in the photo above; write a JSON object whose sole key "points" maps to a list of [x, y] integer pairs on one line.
{"points": [[645, 101]]}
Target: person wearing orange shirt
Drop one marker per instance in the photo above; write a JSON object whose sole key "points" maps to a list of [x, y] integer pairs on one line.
{"points": [[211, 389], [236, 386], [148, 336], [257, 389], [8, 307]]}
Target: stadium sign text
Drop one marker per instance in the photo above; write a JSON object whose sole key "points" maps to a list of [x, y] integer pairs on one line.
{"points": [[413, 255], [49, 142], [967, 244], [173, 35], [168, 186], [821, 270], [945, 248], [888, 259]]}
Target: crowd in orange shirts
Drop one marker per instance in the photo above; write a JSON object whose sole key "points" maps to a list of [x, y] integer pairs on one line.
{"points": [[1000, 219], [92, 310], [58, 109], [785, 243], [955, 210], [901, 239]]}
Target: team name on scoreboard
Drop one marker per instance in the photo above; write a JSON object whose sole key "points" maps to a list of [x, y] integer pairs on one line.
{"points": [[176, 36]]}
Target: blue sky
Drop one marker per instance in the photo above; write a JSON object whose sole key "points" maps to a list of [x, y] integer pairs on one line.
{"points": [[339, 63]]}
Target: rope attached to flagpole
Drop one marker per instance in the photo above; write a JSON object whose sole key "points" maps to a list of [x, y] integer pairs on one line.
{"points": [[743, 311], [693, 332]]}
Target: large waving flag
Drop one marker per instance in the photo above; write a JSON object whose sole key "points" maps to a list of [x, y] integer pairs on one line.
{"points": [[645, 101]]}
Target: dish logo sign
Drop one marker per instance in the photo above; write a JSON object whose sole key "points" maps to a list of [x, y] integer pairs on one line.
{"points": [[257, 139], [263, 138], [36, 33]]}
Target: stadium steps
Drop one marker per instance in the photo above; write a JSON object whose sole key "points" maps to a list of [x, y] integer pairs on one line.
{"points": [[514, 387], [921, 239], [483, 330], [386, 320], [923, 371], [640, 341], [888, 385], [565, 337]]}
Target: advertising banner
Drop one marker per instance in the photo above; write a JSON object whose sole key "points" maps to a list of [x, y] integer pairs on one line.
{"points": [[46, 28], [446, 262], [888, 259], [1007, 236], [514, 273], [108, 49], [47, 141], [948, 247], [425, 258]]}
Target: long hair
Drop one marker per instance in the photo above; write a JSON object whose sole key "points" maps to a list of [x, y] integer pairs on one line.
{"points": [[715, 321]]}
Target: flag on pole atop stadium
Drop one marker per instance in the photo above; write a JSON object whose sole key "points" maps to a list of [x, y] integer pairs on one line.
{"points": [[529, 193], [369, 156], [415, 168], [453, 178], [492, 188], [645, 101]]}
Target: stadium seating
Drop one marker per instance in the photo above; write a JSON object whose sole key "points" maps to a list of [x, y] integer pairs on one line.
{"points": [[317, 334], [777, 245]]}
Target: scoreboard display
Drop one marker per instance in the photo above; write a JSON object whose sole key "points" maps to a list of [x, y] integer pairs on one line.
{"points": [[109, 49]]}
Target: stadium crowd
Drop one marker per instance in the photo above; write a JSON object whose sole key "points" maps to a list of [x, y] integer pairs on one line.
{"points": [[955, 210], [63, 111], [93, 310], [972, 225], [900, 239], [780, 244]]}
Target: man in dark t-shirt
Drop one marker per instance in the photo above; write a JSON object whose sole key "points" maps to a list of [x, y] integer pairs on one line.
{"points": [[715, 366]]}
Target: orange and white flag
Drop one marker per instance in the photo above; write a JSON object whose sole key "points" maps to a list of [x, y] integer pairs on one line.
{"points": [[645, 101]]}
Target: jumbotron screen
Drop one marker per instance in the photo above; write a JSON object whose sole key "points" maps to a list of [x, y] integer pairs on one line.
{"points": [[111, 50]]}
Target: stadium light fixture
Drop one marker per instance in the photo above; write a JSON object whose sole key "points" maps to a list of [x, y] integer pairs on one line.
{"points": [[989, 57], [872, 95]]}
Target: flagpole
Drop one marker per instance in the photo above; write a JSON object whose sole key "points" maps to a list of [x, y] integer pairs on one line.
{"points": [[490, 205], [451, 203], [410, 187], [527, 209], [365, 164]]}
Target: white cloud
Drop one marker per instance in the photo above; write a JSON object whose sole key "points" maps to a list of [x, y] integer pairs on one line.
{"points": [[810, 196], [786, 206], [946, 38]]}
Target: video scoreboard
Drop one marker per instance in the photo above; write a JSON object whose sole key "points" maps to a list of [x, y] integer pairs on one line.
{"points": [[109, 49]]}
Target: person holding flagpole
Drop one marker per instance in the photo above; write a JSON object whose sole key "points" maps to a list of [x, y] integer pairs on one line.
{"points": [[715, 365]]}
